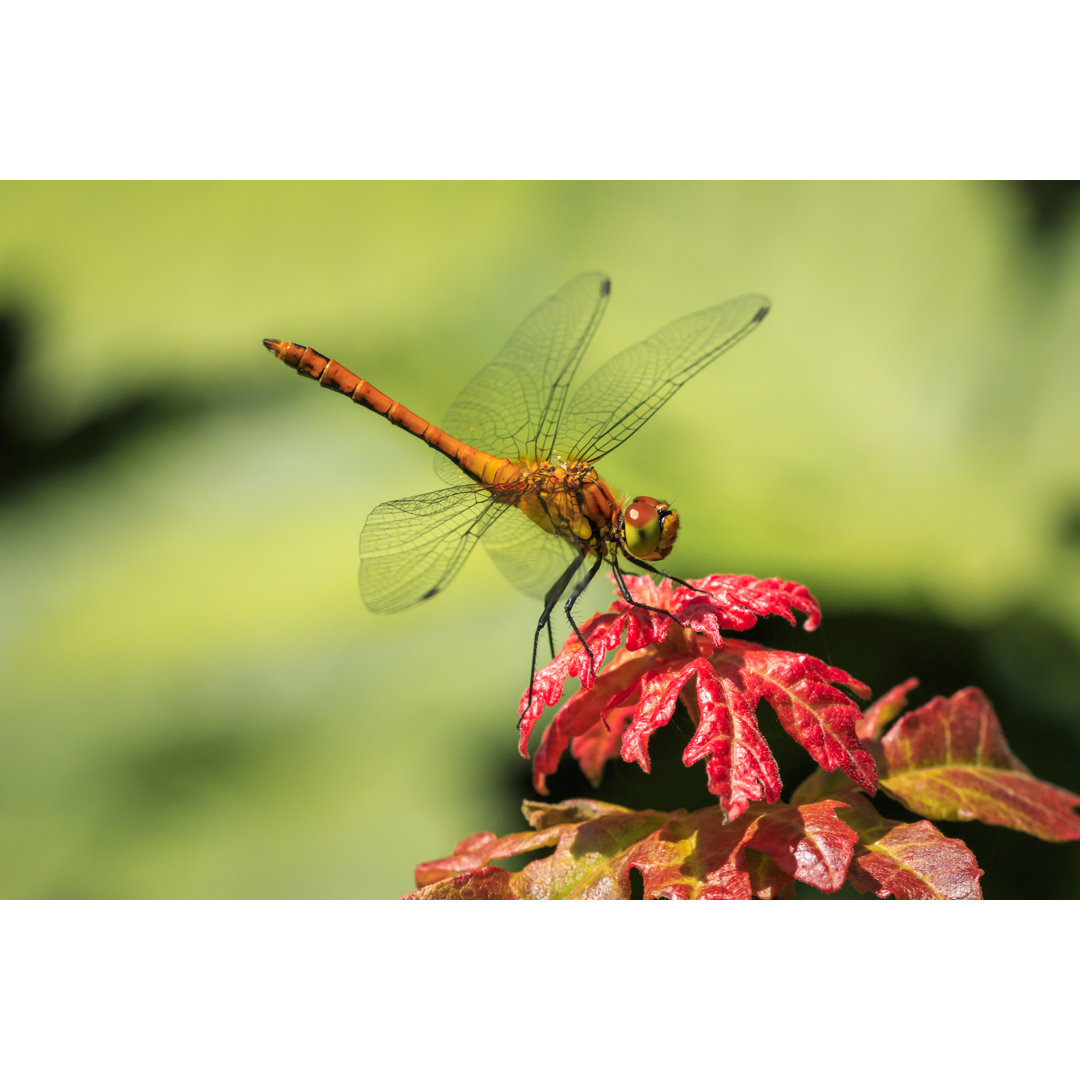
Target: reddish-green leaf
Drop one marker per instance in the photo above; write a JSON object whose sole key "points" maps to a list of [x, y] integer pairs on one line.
{"points": [[823, 785], [679, 855], [487, 883], [481, 848], [767, 880], [695, 856], [911, 861], [541, 815], [949, 760], [808, 843]]}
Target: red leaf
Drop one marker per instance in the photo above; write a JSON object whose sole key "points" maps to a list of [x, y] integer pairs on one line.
{"points": [[728, 686], [720, 601], [878, 716], [809, 843], [584, 711], [603, 633], [600, 743], [739, 764], [637, 692], [814, 713], [658, 693], [737, 601], [949, 760]]}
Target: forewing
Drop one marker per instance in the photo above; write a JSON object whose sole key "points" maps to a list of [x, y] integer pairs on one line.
{"points": [[512, 407], [614, 402], [529, 557], [410, 549]]}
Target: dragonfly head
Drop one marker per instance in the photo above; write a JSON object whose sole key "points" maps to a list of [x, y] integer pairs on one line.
{"points": [[647, 528]]}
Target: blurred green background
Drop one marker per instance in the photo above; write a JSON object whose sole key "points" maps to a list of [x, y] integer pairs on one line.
{"points": [[194, 701]]}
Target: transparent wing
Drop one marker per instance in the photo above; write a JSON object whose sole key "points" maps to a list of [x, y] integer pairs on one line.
{"points": [[529, 557], [614, 402], [410, 549], [512, 408]]}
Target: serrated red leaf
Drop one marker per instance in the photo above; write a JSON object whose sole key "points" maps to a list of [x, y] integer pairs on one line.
{"points": [[738, 762], [728, 685], [736, 602], [949, 760], [718, 602], [813, 712], [585, 710], [908, 860]]}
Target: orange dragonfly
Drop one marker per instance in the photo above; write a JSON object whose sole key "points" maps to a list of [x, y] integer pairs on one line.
{"points": [[520, 463]]}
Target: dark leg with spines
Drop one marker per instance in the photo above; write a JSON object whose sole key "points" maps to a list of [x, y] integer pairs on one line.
{"points": [[550, 600]]}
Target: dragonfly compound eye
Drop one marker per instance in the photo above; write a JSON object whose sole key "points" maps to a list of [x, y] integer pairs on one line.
{"points": [[648, 529]]}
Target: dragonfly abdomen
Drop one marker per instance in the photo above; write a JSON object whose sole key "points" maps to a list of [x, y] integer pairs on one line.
{"points": [[482, 467]]}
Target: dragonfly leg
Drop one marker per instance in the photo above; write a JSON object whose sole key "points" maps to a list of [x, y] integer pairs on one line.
{"points": [[551, 640], [623, 588], [550, 600], [654, 569], [579, 588]]}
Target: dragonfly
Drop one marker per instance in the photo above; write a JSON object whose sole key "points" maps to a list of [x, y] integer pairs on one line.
{"points": [[518, 456]]}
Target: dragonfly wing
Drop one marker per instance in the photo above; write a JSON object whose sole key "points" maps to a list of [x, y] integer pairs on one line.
{"points": [[614, 402], [410, 549], [513, 406], [529, 557]]}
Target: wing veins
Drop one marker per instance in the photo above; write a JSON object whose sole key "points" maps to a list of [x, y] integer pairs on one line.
{"points": [[512, 408], [645, 376], [411, 549]]}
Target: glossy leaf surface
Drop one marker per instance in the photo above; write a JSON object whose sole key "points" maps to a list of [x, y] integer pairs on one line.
{"points": [[949, 760], [908, 860]]}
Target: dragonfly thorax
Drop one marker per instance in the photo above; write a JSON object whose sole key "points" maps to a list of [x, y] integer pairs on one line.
{"points": [[572, 501]]}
